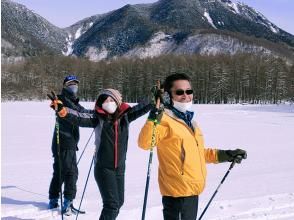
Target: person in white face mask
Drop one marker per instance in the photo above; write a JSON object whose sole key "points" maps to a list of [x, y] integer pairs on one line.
{"points": [[181, 151], [111, 121], [109, 100]]}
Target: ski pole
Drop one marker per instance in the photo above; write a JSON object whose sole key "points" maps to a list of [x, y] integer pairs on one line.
{"points": [[85, 187], [148, 174], [153, 142], [59, 161], [215, 192], [54, 97], [85, 147]]}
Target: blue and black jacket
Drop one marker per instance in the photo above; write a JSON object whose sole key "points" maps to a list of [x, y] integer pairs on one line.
{"points": [[69, 134]]}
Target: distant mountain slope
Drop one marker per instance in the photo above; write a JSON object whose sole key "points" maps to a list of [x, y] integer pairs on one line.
{"points": [[168, 23], [25, 33], [147, 30]]}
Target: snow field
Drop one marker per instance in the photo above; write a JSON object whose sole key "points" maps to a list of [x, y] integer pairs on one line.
{"points": [[260, 188]]}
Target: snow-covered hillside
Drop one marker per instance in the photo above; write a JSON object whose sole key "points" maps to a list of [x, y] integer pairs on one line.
{"points": [[204, 44], [260, 188]]}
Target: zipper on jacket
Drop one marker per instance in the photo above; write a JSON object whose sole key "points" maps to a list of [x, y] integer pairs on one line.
{"points": [[115, 143], [183, 156]]}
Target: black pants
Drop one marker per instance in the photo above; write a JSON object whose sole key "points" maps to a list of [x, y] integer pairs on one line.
{"points": [[111, 183], [180, 208], [69, 175]]}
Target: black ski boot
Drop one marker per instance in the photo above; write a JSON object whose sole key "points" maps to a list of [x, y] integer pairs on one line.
{"points": [[66, 208], [53, 203]]}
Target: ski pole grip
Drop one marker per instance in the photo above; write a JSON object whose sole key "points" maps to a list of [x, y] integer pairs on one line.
{"points": [[50, 97], [232, 164], [53, 97]]}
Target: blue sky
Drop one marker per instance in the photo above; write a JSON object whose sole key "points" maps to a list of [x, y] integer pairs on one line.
{"points": [[64, 13]]}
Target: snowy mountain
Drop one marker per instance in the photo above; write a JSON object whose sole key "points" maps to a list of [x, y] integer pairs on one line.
{"points": [[170, 26], [77, 29], [148, 30], [25, 33]]}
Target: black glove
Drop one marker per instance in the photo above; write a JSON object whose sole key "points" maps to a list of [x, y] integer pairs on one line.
{"points": [[155, 115], [231, 155]]}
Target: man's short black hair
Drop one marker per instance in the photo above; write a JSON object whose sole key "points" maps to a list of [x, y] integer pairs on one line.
{"points": [[168, 83]]}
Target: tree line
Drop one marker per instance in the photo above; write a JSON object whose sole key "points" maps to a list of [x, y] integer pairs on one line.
{"points": [[215, 79]]}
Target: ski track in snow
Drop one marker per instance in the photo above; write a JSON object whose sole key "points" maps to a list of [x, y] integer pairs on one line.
{"points": [[261, 188]]}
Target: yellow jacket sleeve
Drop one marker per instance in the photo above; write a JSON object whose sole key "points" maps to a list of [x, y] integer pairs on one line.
{"points": [[210, 155], [145, 135]]}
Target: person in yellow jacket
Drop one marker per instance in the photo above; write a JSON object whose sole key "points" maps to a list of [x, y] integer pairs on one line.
{"points": [[181, 151]]}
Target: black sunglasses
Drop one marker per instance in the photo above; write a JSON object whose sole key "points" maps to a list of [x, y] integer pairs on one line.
{"points": [[181, 92]]}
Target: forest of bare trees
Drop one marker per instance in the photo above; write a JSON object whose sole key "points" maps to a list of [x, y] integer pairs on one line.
{"points": [[216, 79]]}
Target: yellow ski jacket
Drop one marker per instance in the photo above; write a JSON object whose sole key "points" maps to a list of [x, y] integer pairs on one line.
{"points": [[181, 154]]}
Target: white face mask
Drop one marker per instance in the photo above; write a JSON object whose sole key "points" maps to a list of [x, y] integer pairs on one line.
{"points": [[110, 107], [183, 106]]}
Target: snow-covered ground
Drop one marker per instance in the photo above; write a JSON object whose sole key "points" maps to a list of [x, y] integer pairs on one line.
{"points": [[260, 188]]}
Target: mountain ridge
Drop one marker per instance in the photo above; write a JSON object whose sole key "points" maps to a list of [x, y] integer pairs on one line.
{"points": [[167, 24]]}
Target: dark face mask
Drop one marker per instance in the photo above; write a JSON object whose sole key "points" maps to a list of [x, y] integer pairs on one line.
{"points": [[73, 89]]}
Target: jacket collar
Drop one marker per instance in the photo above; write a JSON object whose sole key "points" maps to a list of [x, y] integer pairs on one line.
{"points": [[187, 117], [170, 113]]}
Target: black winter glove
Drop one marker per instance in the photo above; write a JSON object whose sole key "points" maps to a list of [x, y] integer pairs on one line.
{"points": [[155, 115], [231, 155]]}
